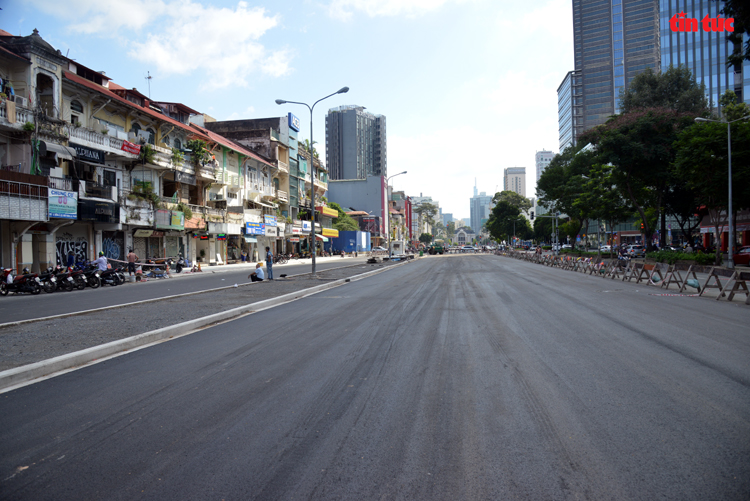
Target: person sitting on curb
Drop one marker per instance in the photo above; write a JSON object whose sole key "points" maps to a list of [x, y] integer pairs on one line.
{"points": [[257, 275]]}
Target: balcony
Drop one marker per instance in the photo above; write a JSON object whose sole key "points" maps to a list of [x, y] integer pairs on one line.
{"points": [[234, 182], [22, 116], [283, 167], [92, 189], [222, 177], [93, 139], [61, 184], [206, 172], [23, 196], [283, 196]]}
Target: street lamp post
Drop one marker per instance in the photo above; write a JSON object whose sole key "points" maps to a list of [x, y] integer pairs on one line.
{"points": [[312, 165], [388, 212], [730, 217]]}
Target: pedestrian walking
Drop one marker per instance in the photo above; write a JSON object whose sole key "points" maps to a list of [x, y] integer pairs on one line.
{"points": [[269, 263], [132, 258]]}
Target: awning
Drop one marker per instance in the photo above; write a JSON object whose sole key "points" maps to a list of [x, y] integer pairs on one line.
{"points": [[143, 233], [61, 151], [251, 240], [270, 206], [321, 237]]}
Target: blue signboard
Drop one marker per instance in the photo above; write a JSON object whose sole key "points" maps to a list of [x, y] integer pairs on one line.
{"points": [[269, 220], [255, 229], [293, 122]]}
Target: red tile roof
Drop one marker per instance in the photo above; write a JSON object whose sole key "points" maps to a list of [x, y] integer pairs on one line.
{"points": [[202, 133], [4, 33]]}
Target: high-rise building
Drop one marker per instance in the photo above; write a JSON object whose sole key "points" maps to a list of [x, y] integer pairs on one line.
{"points": [[570, 109], [356, 144], [542, 158], [514, 179], [703, 52], [479, 210], [614, 41]]}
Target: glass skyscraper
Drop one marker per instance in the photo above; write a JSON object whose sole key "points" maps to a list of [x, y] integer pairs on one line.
{"points": [[356, 145], [614, 41], [703, 52]]}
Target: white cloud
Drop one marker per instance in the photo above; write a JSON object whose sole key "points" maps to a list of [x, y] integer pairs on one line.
{"points": [[238, 115], [222, 45], [344, 9]]}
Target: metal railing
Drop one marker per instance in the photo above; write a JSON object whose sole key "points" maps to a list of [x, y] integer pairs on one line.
{"points": [[61, 184]]}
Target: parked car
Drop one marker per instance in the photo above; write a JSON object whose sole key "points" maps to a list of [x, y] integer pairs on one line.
{"points": [[567, 246], [378, 248], [742, 256], [605, 248], [636, 250]]}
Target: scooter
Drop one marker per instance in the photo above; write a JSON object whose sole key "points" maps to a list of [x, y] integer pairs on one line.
{"points": [[27, 282], [181, 263], [48, 280]]}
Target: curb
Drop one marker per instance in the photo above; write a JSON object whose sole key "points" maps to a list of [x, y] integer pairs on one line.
{"points": [[28, 374], [134, 303]]}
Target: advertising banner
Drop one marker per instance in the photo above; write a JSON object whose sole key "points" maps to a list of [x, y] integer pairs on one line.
{"points": [[129, 147], [269, 220], [63, 204], [306, 227], [255, 229]]}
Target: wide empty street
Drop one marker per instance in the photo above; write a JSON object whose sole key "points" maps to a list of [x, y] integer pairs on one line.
{"points": [[452, 377]]}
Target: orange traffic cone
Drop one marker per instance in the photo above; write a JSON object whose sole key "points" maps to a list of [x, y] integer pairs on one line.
{"points": [[199, 266]]}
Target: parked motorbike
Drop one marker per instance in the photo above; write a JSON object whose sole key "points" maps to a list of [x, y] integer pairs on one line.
{"points": [[110, 277], [48, 280], [27, 282], [65, 280], [181, 263], [92, 276]]}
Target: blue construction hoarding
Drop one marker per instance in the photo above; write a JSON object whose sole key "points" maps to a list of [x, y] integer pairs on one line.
{"points": [[351, 241]]}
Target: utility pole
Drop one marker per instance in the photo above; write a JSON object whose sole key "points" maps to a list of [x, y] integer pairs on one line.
{"points": [[148, 79]]}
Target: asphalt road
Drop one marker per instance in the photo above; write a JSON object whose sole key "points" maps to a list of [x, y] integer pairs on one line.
{"points": [[461, 377], [25, 306]]}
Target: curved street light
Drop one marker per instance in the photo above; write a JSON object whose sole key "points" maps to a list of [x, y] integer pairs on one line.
{"points": [[342, 90], [730, 218]]}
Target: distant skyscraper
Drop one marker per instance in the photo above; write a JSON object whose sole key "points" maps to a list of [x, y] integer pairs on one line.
{"points": [[479, 210], [515, 180], [570, 109], [543, 158], [356, 144], [614, 41], [703, 52]]}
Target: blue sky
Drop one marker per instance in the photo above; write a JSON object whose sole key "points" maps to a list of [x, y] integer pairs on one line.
{"points": [[468, 86]]}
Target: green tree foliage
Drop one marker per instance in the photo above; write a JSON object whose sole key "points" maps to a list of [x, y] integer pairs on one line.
{"points": [[543, 229], [425, 238], [426, 211], [343, 222], [702, 162], [450, 229], [512, 198], [639, 145], [500, 224], [740, 11], [674, 89]]}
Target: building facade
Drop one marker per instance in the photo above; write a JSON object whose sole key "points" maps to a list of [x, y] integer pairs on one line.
{"points": [[514, 179], [356, 144], [614, 41], [480, 206], [542, 160], [570, 109], [703, 52]]}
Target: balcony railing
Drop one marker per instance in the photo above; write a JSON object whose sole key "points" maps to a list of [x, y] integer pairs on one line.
{"points": [[282, 196], [22, 116], [104, 140], [284, 167], [61, 184], [23, 197]]}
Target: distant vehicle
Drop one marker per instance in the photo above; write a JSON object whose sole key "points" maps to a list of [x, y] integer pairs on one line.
{"points": [[567, 246], [436, 249], [742, 256], [379, 248], [606, 248], [635, 251], [532, 248], [467, 248]]}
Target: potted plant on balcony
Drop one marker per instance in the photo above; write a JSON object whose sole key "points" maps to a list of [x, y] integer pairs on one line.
{"points": [[148, 153], [177, 157]]}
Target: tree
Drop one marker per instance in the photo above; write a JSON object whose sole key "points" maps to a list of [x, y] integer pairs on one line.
{"points": [[500, 222], [740, 11], [306, 146], [542, 229], [427, 211], [639, 145], [450, 229], [343, 222], [702, 162], [513, 198], [674, 89], [561, 184], [425, 238]]}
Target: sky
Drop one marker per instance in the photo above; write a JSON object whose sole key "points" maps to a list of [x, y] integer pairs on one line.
{"points": [[468, 87]]}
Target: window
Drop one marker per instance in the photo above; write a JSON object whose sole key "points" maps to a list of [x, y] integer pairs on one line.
{"points": [[135, 128], [166, 140], [177, 144], [110, 178], [151, 135], [76, 106]]}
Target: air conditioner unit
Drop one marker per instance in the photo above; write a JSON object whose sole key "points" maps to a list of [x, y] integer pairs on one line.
{"points": [[21, 101]]}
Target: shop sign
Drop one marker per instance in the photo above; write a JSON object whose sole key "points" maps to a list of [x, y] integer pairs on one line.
{"points": [[63, 204], [296, 230], [234, 229], [294, 122], [88, 154], [255, 229], [271, 231], [294, 239], [129, 147], [306, 227], [221, 236], [143, 233], [100, 212], [269, 220], [182, 177], [215, 228]]}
